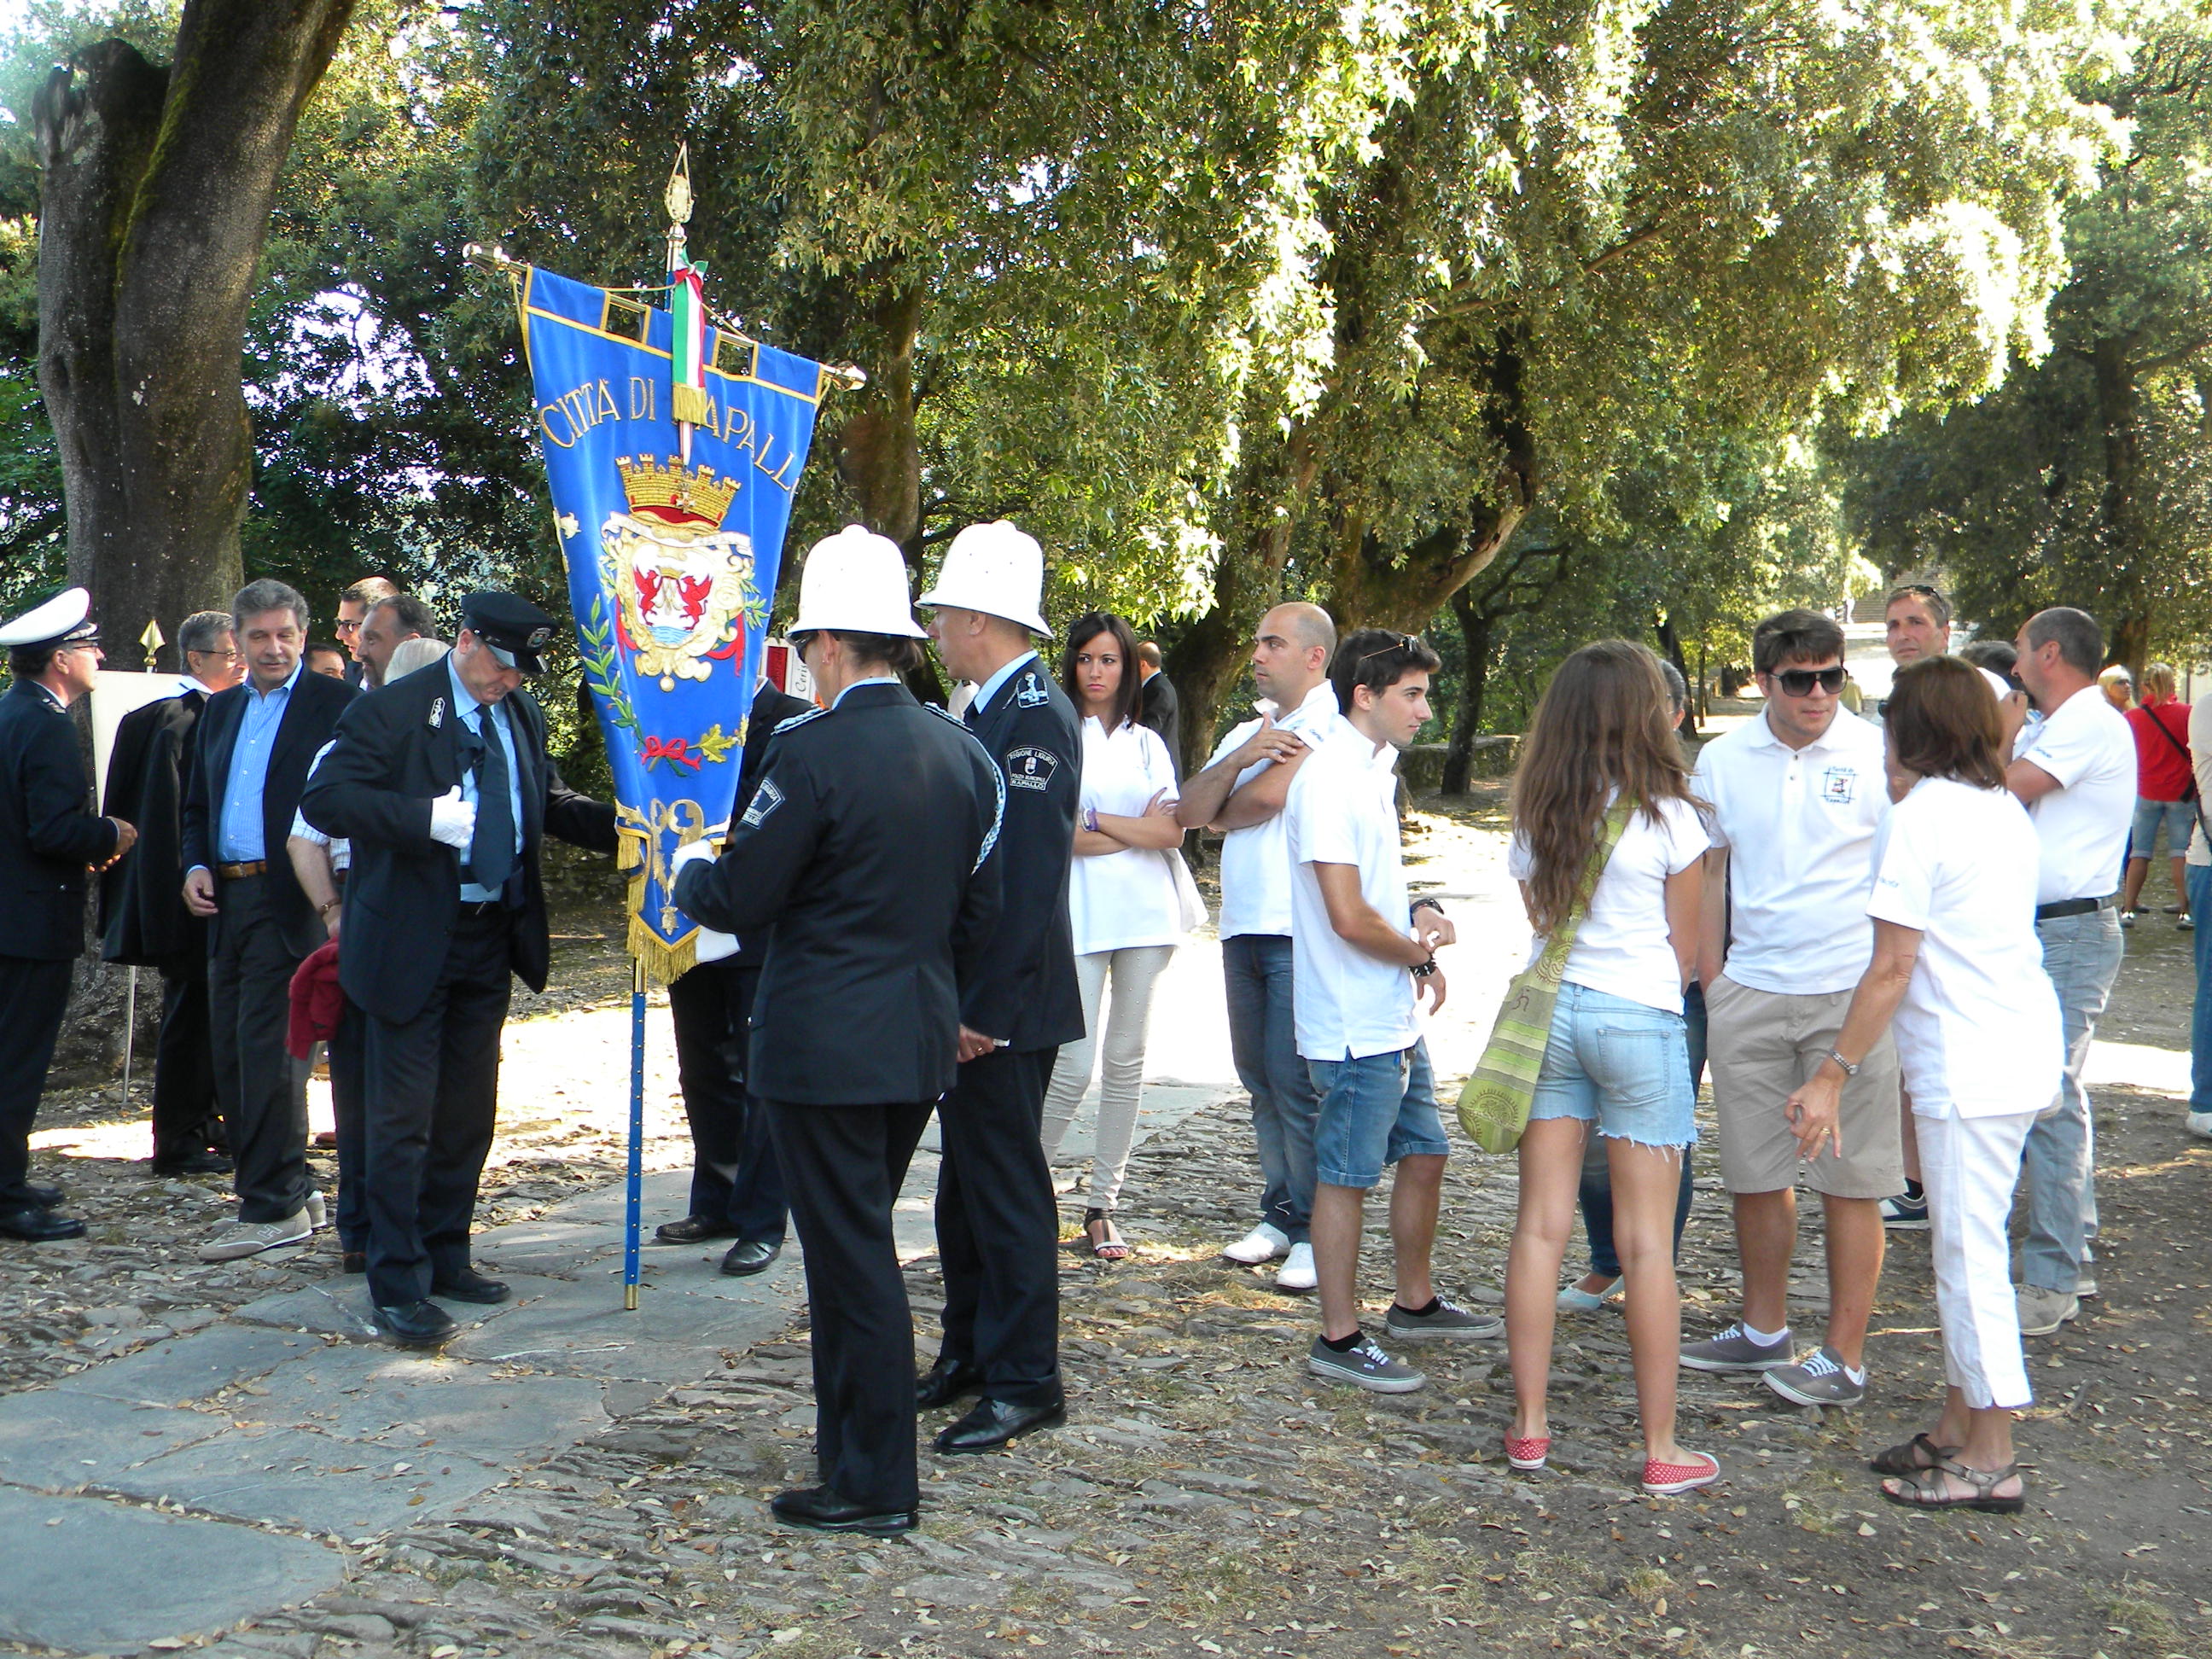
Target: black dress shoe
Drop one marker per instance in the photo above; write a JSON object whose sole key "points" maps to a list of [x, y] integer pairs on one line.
{"points": [[945, 1382], [692, 1230], [993, 1423], [748, 1256], [819, 1509], [35, 1224], [192, 1164], [467, 1285], [354, 1261], [417, 1325], [45, 1197]]}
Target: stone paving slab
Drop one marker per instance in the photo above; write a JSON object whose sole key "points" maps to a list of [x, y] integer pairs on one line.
{"points": [[192, 1367], [414, 1404], [56, 1441], [581, 1329], [159, 1576]]}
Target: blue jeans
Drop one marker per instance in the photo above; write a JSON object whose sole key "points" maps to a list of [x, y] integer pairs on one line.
{"points": [[1263, 1043], [1596, 1194], [2199, 876], [2081, 955]]}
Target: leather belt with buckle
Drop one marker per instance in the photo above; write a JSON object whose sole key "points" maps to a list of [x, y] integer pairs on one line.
{"points": [[2080, 906], [240, 872]]}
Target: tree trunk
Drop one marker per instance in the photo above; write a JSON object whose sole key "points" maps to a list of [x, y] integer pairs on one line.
{"points": [[878, 452], [2127, 618], [1474, 630], [153, 214], [1670, 647]]}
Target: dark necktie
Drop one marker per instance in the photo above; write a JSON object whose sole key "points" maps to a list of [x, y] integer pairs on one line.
{"points": [[491, 848], [973, 714]]}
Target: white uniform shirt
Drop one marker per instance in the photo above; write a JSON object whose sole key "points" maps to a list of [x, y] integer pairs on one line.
{"points": [[341, 848], [1978, 1032], [2086, 744], [1799, 827], [1343, 809], [1255, 860], [2200, 754], [1118, 900], [1623, 947]]}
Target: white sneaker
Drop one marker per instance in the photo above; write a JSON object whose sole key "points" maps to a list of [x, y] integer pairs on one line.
{"points": [[243, 1238], [2200, 1123], [1298, 1273], [1263, 1243], [319, 1215]]}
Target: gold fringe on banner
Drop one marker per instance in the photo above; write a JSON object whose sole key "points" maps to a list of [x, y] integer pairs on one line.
{"points": [[663, 962], [689, 404]]}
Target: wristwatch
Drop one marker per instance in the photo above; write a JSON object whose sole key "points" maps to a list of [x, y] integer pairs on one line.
{"points": [[1423, 970], [1425, 900], [1850, 1070]]}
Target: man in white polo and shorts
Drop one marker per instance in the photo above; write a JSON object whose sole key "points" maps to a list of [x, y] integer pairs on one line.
{"points": [[1797, 794]]}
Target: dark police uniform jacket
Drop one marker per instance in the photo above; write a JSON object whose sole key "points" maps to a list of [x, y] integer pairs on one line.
{"points": [[142, 918], [1025, 995], [310, 716], [47, 838], [864, 868], [396, 751]]}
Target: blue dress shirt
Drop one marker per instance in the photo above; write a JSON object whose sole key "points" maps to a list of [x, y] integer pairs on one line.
{"points": [[474, 716], [239, 838], [989, 689]]}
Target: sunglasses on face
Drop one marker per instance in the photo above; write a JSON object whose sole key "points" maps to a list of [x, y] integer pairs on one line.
{"points": [[1800, 682]]}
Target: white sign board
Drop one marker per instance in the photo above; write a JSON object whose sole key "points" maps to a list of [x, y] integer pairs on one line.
{"points": [[114, 695]]}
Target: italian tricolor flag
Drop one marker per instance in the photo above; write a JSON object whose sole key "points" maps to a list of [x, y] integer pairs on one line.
{"points": [[687, 304]]}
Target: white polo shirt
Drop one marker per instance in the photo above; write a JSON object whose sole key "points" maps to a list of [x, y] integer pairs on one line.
{"points": [[2083, 824], [1255, 860], [1978, 1033], [2200, 756], [1118, 900], [1799, 827], [1343, 809]]}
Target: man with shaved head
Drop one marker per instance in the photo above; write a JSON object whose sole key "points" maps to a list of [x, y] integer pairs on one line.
{"points": [[1241, 793]]}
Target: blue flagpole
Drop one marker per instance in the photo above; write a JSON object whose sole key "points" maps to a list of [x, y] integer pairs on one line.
{"points": [[635, 1195]]}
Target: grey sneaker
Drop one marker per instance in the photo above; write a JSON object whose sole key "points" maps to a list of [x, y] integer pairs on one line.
{"points": [[244, 1238], [2042, 1311], [1818, 1379], [1365, 1364], [1446, 1319], [1732, 1350]]}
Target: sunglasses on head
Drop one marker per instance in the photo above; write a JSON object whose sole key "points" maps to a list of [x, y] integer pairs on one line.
{"points": [[1398, 643], [1800, 682]]}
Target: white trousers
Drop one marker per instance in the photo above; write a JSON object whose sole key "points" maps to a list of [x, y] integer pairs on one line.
{"points": [[1970, 1168], [1134, 971]]}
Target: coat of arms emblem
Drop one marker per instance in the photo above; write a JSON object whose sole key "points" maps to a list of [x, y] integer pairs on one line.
{"points": [[682, 585]]}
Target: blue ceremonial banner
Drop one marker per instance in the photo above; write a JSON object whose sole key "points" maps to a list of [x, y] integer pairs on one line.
{"points": [[672, 534]]}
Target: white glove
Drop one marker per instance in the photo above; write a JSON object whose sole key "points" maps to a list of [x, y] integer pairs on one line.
{"points": [[453, 820], [695, 852]]}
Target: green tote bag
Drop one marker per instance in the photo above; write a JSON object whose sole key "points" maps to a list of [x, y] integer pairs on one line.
{"points": [[1493, 1106]]}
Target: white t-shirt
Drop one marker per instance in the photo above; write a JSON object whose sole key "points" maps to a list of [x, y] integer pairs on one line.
{"points": [[1343, 809], [1978, 1033], [2083, 823], [2200, 755], [1255, 860], [1119, 900], [1798, 825], [1622, 947]]}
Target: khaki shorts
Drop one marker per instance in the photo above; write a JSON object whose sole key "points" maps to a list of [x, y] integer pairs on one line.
{"points": [[1762, 1046]]}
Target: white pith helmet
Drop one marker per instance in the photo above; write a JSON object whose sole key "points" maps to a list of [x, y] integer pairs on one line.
{"points": [[994, 569], [855, 582]]}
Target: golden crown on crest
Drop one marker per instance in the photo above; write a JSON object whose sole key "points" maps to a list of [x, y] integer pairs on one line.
{"points": [[674, 493]]}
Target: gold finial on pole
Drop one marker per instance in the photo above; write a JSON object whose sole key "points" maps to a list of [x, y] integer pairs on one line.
{"points": [[677, 197], [153, 640]]}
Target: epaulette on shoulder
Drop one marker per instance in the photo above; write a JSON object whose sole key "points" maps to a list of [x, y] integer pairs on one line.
{"points": [[795, 721], [944, 714]]}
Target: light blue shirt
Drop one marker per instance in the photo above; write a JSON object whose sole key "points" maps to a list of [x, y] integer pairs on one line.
{"points": [[473, 714], [989, 689], [872, 679], [239, 838]]}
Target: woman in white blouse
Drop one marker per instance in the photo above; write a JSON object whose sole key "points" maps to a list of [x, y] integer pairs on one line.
{"points": [[1957, 963], [1123, 901]]}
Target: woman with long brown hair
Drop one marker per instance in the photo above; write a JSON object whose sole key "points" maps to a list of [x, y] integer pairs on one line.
{"points": [[1602, 747]]}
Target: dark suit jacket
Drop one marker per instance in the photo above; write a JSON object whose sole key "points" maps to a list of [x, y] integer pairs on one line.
{"points": [[142, 919], [1026, 995], [1159, 707], [865, 864], [310, 717], [47, 838], [396, 751]]}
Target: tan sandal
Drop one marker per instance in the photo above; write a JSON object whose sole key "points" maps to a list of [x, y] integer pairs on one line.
{"points": [[1925, 1489], [1915, 1456]]}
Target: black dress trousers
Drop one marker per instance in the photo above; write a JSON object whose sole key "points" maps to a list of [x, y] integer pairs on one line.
{"points": [[843, 1166], [33, 996], [186, 1119], [998, 1227], [734, 1174], [430, 1100], [346, 1052], [263, 1089]]}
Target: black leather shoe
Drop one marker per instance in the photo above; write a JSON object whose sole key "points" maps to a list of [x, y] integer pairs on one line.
{"points": [[945, 1382], [45, 1197], [354, 1261], [467, 1285], [417, 1325], [35, 1224], [748, 1256], [819, 1509], [993, 1423], [190, 1164], [692, 1230]]}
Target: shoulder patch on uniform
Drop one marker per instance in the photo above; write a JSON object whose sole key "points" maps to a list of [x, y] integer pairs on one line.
{"points": [[786, 724], [1030, 767], [1031, 693], [765, 800]]}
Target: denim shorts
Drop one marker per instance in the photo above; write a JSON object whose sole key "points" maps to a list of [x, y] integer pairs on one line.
{"points": [[1622, 1065], [1374, 1111], [2177, 817]]}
